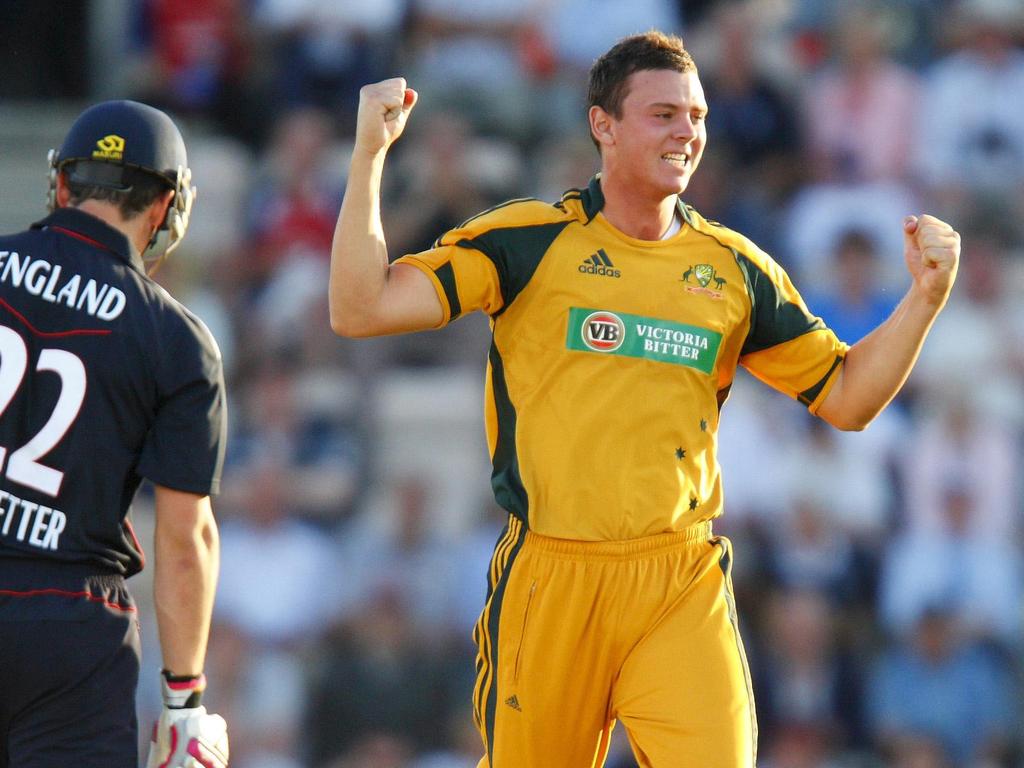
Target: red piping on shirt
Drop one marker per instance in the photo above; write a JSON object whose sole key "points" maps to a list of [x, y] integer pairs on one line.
{"points": [[53, 334], [65, 593], [79, 236]]}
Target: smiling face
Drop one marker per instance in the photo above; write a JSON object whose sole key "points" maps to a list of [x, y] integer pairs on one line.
{"points": [[655, 144]]}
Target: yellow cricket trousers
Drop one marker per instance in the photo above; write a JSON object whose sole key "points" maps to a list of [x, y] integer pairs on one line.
{"points": [[576, 635]]}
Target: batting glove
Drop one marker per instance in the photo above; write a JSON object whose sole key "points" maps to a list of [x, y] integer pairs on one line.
{"points": [[186, 736]]}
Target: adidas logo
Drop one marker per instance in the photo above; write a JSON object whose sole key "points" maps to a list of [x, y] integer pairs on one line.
{"points": [[599, 264], [513, 702]]}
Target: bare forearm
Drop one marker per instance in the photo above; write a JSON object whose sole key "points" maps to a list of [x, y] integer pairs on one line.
{"points": [[877, 366], [185, 581], [359, 254]]}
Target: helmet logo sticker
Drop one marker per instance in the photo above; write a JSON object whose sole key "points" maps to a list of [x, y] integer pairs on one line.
{"points": [[109, 148]]}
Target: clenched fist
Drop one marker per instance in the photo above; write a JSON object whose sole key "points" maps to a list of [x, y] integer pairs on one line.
{"points": [[384, 108], [931, 248]]}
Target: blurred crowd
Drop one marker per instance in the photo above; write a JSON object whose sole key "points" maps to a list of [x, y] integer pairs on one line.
{"points": [[878, 575]]}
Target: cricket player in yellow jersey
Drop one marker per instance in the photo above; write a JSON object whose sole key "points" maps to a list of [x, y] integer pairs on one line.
{"points": [[619, 316]]}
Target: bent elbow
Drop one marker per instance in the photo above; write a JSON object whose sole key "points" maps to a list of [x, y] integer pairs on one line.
{"points": [[349, 326], [855, 426], [849, 422], [346, 322], [341, 325]]}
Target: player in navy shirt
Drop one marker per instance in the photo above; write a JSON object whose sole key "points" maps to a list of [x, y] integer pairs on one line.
{"points": [[105, 380]]}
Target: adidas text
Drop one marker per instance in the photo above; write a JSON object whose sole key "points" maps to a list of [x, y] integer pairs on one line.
{"points": [[599, 264], [590, 269]]}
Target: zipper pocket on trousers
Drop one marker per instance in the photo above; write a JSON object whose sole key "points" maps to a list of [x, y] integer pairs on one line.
{"points": [[522, 635]]}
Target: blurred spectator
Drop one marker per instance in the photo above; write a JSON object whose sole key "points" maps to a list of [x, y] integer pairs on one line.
{"points": [[753, 117], [378, 678], [937, 686], [975, 573], [806, 684], [379, 750], [194, 57], [465, 745], [577, 44], [561, 163], [469, 57], [982, 83], [265, 615], [398, 548], [295, 195], [280, 269], [956, 443], [911, 27], [854, 302], [281, 419], [810, 551], [863, 463], [755, 480], [276, 607], [800, 745], [574, 33], [973, 340], [438, 183], [860, 109], [323, 51], [911, 750], [753, 157], [44, 49], [819, 214]]}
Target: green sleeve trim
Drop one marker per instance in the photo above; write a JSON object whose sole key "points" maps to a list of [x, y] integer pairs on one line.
{"points": [[516, 252], [773, 320], [446, 276], [808, 396]]}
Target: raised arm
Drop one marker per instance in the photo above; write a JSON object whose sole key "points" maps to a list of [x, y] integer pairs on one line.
{"points": [[369, 297], [877, 366]]}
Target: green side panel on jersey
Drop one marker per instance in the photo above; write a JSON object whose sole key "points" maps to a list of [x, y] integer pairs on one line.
{"points": [[773, 319], [515, 252], [649, 338], [506, 480]]}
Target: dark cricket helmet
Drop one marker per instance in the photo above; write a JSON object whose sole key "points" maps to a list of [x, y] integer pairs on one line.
{"points": [[112, 143]]}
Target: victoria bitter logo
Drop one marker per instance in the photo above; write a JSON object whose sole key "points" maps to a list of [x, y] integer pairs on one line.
{"points": [[603, 331]]}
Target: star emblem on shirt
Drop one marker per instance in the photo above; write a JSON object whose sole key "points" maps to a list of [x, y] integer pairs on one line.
{"points": [[703, 425], [680, 453], [693, 503]]}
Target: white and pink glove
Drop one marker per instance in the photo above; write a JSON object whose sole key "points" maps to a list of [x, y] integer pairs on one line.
{"points": [[186, 736]]}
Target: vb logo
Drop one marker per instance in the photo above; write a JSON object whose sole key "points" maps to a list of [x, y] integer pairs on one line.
{"points": [[603, 331]]}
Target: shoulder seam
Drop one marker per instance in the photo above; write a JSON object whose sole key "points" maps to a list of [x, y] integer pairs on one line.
{"points": [[498, 207]]}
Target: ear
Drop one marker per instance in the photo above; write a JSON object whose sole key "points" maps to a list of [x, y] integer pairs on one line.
{"points": [[63, 193], [601, 126], [157, 211]]}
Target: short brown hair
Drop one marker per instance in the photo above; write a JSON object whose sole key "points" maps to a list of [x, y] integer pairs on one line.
{"points": [[143, 189], [650, 50]]}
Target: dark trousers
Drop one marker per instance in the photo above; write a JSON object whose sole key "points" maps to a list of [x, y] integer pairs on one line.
{"points": [[69, 666]]}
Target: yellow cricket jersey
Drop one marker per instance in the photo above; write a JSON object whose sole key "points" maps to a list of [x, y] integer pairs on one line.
{"points": [[611, 358]]}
